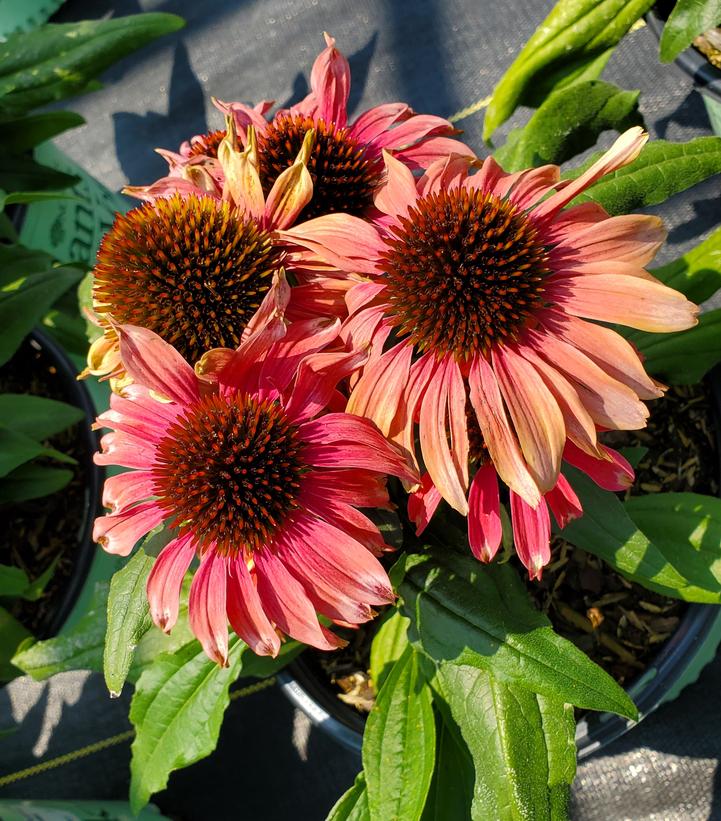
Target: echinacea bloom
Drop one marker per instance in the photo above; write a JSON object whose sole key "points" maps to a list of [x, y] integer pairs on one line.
{"points": [[345, 163], [254, 483], [200, 265], [484, 284]]}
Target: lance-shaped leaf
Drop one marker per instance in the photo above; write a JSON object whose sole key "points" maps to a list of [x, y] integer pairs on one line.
{"points": [[399, 744], [687, 20], [24, 133], [36, 416], [451, 792], [569, 122], [522, 744], [353, 804], [467, 613], [389, 642]]}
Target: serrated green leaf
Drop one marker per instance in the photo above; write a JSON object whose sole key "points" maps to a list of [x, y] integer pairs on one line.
{"points": [[30, 481], [684, 357], [570, 43], [389, 642], [177, 710], [524, 753], [607, 530], [353, 804], [13, 580], [398, 772], [569, 122], [24, 302], [687, 20], [128, 619], [57, 60], [480, 615], [661, 170], [12, 635], [697, 274], [24, 133], [36, 416]]}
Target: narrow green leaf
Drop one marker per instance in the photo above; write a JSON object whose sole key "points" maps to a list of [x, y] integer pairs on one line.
{"points": [[389, 642], [21, 173], [569, 122], [36, 416], [571, 42], [30, 481], [254, 666], [56, 60], [23, 303], [607, 530], [696, 274], [660, 171], [353, 804], [399, 744], [128, 619], [687, 20], [177, 710], [24, 133], [480, 615], [16, 449], [26, 197], [13, 580], [12, 635], [36, 589], [17, 261], [451, 793], [524, 754]]}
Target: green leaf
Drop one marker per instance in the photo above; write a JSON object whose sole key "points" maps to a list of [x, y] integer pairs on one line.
{"points": [[389, 642], [696, 274], [353, 804], [30, 481], [16, 449], [56, 60], [569, 122], [522, 745], [254, 666], [399, 744], [684, 357], [686, 528], [36, 588], [480, 615], [661, 170], [20, 173], [687, 20], [23, 303], [128, 619], [25, 197], [571, 42], [24, 133], [13, 580], [17, 261], [451, 791], [177, 710], [607, 530], [12, 635], [36, 416]]}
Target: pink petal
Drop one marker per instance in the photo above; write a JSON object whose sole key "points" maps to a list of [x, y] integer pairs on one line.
{"points": [[500, 440], [242, 373], [165, 187], [207, 609], [457, 419], [287, 603], [631, 238], [536, 416], [484, 514], [118, 533], [291, 192], [487, 179], [574, 219], [444, 174], [403, 426], [245, 611], [330, 81], [638, 303], [352, 486], [415, 129], [154, 363], [376, 120], [434, 436], [564, 503], [534, 184], [423, 503], [531, 535], [126, 489], [398, 190], [166, 579], [612, 473], [422, 154], [126, 450]]}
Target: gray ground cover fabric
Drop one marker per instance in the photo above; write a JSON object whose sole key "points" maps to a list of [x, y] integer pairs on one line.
{"points": [[440, 57]]}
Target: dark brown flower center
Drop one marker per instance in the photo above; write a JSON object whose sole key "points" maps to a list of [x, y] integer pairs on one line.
{"points": [[343, 178], [464, 271], [206, 145], [190, 269], [229, 471], [477, 450]]}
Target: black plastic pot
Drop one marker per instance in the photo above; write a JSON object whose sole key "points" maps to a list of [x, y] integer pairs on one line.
{"points": [[677, 665], [75, 393]]}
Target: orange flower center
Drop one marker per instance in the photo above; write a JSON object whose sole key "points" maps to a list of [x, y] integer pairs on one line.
{"points": [[206, 145], [190, 269], [343, 179], [229, 471], [464, 271]]}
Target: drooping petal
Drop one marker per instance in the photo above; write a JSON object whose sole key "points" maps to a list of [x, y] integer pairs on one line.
{"points": [[423, 503], [166, 578], [242, 372], [154, 363], [370, 124], [119, 532], [324, 503], [613, 472], [352, 486], [531, 535], [207, 609], [286, 602], [330, 81], [422, 154], [245, 611], [533, 184], [402, 428], [563, 502], [126, 489], [126, 450], [631, 238], [398, 191], [444, 174], [484, 514]]}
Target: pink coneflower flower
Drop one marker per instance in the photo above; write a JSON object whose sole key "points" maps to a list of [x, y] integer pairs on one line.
{"points": [[484, 284], [257, 486], [346, 160]]}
